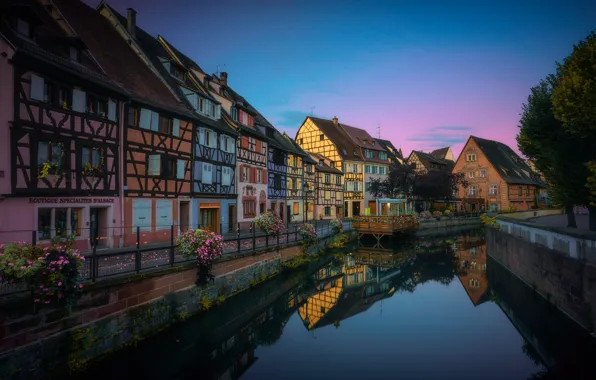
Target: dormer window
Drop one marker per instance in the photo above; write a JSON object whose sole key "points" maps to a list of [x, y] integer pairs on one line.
{"points": [[321, 163], [270, 132], [24, 28], [177, 72], [344, 151], [75, 54], [234, 113], [355, 152]]}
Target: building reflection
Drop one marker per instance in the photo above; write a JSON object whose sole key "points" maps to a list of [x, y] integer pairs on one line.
{"points": [[471, 267]]}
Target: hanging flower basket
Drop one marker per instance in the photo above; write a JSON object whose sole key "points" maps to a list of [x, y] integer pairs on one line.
{"points": [[203, 245], [270, 224]]}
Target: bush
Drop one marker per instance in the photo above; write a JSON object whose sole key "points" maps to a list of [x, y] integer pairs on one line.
{"points": [[270, 224], [308, 233], [53, 273], [337, 225]]}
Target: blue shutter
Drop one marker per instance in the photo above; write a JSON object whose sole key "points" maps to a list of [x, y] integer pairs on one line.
{"points": [[145, 121], [154, 121], [180, 169], [142, 214], [176, 128], [79, 98], [163, 215], [111, 110], [201, 136], [37, 88]]}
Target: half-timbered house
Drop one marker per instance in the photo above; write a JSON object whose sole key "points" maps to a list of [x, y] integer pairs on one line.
{"points": [[329, 139], [158, 132], [252, 148], [59, 132], [328, 189], [213, 150], [301, 182]]}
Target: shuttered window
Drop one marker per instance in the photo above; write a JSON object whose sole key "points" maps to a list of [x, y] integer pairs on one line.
{"points": [[226, 176], [154, 164], [181, 169], [207, 175], [79, 100], [37, 88], [111, 110], [141, 209], [176, 128]]}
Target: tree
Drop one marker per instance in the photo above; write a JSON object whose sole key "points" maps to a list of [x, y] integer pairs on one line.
{"points": [[399, 183], [574, 104], [558, 154]]}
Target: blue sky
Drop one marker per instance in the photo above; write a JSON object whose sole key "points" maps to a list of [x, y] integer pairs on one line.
{"points": [[429, 72]]}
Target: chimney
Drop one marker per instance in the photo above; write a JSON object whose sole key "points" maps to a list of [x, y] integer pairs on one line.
{"points": [[223, 78], [335, 120], [132, 21]]}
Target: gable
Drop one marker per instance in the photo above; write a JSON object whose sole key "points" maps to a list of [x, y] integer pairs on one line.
{"points": [[308, 138]]}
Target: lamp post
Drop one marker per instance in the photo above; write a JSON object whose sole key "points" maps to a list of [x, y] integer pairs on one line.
{"points": [[306, 191]]}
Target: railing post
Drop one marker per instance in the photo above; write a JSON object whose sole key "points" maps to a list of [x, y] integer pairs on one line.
{"points": [[238, 238], [138, 252], [287, 236], [94, 264], [172, 245]]}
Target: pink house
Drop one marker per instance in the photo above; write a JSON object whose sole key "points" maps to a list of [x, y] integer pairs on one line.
{"points": [[60, 132]]}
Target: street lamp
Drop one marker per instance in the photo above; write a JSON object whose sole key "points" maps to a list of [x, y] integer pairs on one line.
{"points": [[306, 191]]}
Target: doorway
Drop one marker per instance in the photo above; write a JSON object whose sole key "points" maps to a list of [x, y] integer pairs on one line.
{"points": [[209, 219], [346, 209], [184, 221], [372, 205], [98, 233], [232, 218], [355, 208]]}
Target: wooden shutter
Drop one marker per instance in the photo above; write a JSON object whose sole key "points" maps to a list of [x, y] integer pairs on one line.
{"points": [[142, 214], [145, 121], [201, 136], [154, 121], [37, 88], [154, 164], [79, 98], [112, 110], [181, 169], [176, 127], [163, 214], [258, 145]]}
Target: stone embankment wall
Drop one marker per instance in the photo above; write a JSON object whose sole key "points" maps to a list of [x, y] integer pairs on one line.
{"points": [[559, 266], [113, 315], [434, 224], [532, 213]]}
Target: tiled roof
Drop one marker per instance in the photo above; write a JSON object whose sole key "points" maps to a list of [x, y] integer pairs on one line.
{"points": [[48, 47], [440, 153], [117, 58], [365, 141], [512, 168], [154, 49], [387, 143], [427, 159], [305, 156], [316, 158], [347, 148]]}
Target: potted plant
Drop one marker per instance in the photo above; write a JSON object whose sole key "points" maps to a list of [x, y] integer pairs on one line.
{"points": [[205, 246], [270, 223]]}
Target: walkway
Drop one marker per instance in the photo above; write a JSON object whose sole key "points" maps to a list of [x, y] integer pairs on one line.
{"points": [[560, 221]]}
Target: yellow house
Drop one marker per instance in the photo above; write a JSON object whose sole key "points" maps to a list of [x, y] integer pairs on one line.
{"points": [[329, 138]]}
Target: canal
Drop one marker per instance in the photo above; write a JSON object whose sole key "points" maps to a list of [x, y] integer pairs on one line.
{"points": [[426, 308]]}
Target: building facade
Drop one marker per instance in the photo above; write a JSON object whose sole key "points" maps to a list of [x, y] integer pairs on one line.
{"points": [[60, 132], [301, 194], [328, 189], [498, 178]]}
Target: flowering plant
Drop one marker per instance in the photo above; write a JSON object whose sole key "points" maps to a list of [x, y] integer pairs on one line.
{"points": [[308, 233], [206, 246], [54, 273], [437, 214], [425, 215], [337, 225], [270, 223], [447, 212]]}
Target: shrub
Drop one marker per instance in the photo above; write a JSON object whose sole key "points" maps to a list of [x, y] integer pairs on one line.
{"points": [[270, 223], [489, 221], [308, 233], [53, 273], [337, 225]]}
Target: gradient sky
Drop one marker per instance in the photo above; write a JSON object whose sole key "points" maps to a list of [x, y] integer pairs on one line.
{"points": [[430, 73]]}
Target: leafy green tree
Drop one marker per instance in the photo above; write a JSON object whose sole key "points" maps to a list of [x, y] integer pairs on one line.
{"points": [[574, 104], [557, 153]]}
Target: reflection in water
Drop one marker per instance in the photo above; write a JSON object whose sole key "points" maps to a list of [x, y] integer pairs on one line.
{"points": [[225, 343]]}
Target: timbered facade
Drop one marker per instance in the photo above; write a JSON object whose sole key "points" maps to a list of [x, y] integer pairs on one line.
{"points": [[60, 133], [329, 191], [301, 193], [328, 138]]}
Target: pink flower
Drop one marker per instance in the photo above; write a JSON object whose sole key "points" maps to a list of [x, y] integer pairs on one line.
{"points": [[60, 283]]}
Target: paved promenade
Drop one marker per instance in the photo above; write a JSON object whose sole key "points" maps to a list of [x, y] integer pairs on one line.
{"points": [[560, 221]]}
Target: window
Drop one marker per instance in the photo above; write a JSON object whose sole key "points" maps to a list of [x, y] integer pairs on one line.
{"points": [[327, 178], [322, 137], [338, 180], [92, 161], [472, 191], [252, 144], [381, 170], [249, 208], [527, 191], [154, 165], [355, 152], [259, 175], [234, 113], [246, 174], [226, 176], [24, 28], [163, 215], [133, 116], [51, 152], [97, 106], [177, 72], [75, 54], [355, 168], [367, 169], [482, 173], [59, 222], [367, 186], [327, 211], [382, 156], [471, 174], [373, 169], [471, 157], [321, 163], [327, 195], [296, 208], [269, 132], [493, 207], [142, 214], [519, 191], [492, 190], [301, 141], [169, 168], [165, 125]]}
